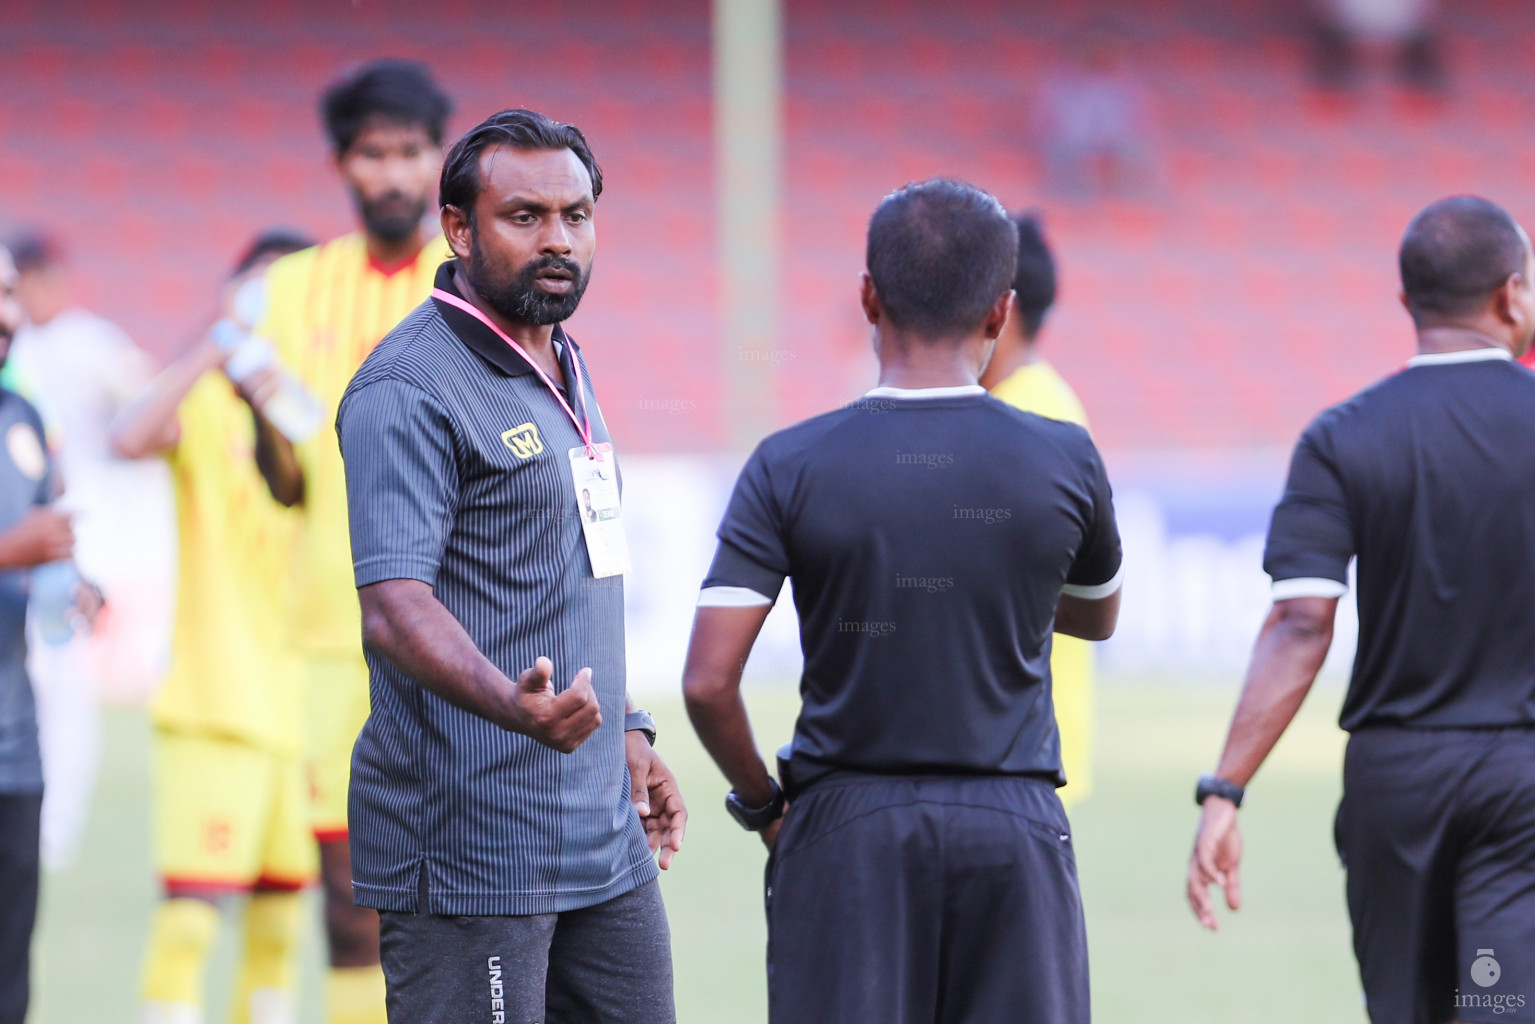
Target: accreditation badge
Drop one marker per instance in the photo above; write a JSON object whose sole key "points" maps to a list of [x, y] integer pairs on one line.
{"points": [[596, 479]]}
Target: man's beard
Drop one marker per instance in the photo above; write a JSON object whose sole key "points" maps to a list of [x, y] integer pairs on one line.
{"points": [[518, 298], [393, 217]]}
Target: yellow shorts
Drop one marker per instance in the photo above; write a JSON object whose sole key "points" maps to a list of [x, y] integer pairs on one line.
{"points": [[337, 700], [1071, 674], [228, 815]]}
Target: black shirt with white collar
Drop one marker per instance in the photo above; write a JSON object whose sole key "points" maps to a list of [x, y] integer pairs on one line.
{"points": [[1428, 479], [929, 535]]}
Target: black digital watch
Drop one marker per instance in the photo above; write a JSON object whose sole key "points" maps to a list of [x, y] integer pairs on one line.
{"points": [[641, 721], [755, 819], [1210, 785]]}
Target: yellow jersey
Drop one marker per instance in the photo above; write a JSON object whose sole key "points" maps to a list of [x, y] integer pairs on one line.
{"points": [[1037, 388], [327, 307], [230, 672]]}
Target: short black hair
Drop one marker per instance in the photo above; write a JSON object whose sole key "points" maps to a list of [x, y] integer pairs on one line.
{"points": [[520, 129], [278, 241], [401, 91], [34, 250], [940, 253], [1034, 280], [1455, 254]]}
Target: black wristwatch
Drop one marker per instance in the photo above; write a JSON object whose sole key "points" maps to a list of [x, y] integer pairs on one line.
{"points": [[1210, 785], [755, 819], [640, 721]]}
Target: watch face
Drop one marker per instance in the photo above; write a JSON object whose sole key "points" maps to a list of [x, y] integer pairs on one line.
{"points": [[733, 805], [755, 819]]}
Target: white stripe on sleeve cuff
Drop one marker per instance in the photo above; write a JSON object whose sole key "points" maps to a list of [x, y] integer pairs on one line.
{"points": [[731, 597], [1307, 586], [1098, 591]]}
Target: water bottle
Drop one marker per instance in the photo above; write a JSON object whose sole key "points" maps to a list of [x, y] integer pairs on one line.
{"points": [[52, 601], [248, 305], [293, 409]]}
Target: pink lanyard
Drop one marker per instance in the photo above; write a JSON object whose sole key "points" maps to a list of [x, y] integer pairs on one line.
{"points": [[585, 430]]}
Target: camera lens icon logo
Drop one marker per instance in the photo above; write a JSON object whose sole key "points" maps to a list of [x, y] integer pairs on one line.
{"points": [[1485, 970]]}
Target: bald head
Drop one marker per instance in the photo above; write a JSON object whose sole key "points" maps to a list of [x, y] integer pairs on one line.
{"points": [[1457, 254]]}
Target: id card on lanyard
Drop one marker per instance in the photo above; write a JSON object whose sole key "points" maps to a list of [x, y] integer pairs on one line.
{"points": [[597, 496], [593, 468]]}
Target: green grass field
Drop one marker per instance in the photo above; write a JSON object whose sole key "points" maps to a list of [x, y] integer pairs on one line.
{"points": [[1286, 957]]}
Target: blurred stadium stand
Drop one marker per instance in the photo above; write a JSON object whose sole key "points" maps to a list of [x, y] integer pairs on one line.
{"points": [[157, 137], [1221, 308], [1254, 286]]}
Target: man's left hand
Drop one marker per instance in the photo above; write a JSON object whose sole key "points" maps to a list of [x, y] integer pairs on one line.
{"points": [[1216, 859], [769, 835], [656, 796]]}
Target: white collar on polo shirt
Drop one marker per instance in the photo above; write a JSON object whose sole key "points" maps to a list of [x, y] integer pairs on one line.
{"points": [[1470, 355], [954, 391]]}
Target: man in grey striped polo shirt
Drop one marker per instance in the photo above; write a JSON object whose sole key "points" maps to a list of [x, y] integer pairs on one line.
{"points": [[501, 827]]}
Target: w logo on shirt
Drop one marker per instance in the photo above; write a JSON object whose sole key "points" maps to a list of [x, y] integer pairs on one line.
{"points": [[523, 440]]}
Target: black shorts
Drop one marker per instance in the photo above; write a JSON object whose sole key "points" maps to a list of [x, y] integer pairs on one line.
{"points": [[606, 964], [908, 900], [1437, 832], [20, 814]]}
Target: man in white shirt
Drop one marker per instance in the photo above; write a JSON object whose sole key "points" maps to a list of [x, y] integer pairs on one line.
{"points": [[80, 369]]}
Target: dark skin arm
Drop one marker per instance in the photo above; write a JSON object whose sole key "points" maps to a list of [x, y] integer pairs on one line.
{"points": [[275, 458], [711, 685], [1087, 619], [42, 535], [148, 426], [655, 794], [403, 621], [1286, 659]]}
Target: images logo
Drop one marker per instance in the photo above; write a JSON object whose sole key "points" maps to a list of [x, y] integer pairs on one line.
{"points": [[1485, 971], [523, 440]]}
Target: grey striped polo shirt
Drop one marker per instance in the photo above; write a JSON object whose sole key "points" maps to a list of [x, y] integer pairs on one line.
{"points": [[458, 475]]}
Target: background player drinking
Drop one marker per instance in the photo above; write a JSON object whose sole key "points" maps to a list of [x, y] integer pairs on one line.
{"points": [[231, 814], [326, 308]]}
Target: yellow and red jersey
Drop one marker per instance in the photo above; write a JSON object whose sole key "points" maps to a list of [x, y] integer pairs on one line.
{"points": [[327, 307], [231, 674]]}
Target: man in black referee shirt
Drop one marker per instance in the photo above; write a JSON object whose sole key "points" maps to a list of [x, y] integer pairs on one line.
{"points": [[1428, 479], [934, 535], [500, 821]]}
